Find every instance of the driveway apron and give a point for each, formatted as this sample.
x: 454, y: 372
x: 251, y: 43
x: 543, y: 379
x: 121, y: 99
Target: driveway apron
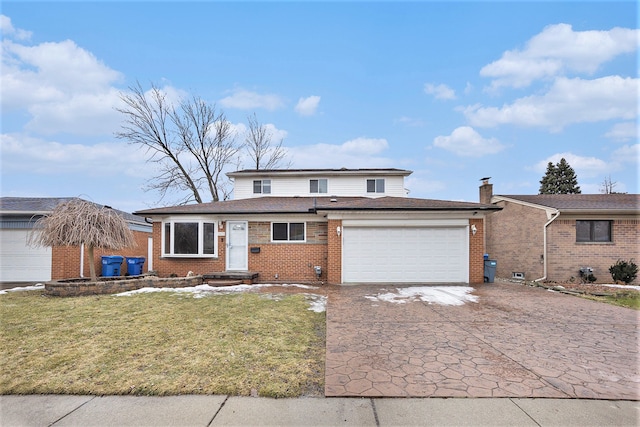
x: 513, y: 341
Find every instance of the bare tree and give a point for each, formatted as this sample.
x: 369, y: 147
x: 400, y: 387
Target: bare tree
x: 191, y: 144
x: 78, y: 222
x: 262, y: 152
x: 608, y: 186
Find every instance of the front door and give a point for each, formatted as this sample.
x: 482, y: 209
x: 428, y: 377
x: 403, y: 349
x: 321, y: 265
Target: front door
x: 237, y: 245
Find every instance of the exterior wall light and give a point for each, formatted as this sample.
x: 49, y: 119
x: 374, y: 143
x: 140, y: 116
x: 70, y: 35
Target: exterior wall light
x: 474, y: 230
x: 338, y: 230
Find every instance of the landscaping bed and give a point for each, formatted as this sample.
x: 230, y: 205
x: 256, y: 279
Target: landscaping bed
x: 626, y: 296
x: 114, y: 285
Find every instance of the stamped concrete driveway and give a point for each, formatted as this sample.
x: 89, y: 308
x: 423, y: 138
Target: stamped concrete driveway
x: 514, y: 341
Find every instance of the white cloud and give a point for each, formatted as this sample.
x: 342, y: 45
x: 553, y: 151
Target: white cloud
x: 465, y: 141
x: 356, y: 153
x: 558, y: 50
x: 623, y: 131
x: 8, y: 30
x: 440, y: 91
x: 627, y: 154
x: 51, y: 158
x: 409, y: 121
x: 307, y: 106
x: 243, y: 99
x: 585, y: 167
x: 567, y: 102
x: 63, y: 87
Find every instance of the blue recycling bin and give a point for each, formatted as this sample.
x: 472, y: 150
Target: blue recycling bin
x: 134, y: 265
x: 111, y: 265
x: 490, y: 270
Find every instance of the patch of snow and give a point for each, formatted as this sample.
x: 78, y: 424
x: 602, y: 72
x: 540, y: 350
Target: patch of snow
x: 441, y: 295
x: 637, y: 288
x: 317, y: 303
x: 36, y: 287
x: 295, y: 285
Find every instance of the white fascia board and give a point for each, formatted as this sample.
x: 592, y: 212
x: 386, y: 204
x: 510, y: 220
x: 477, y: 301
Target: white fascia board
x: 325, y: 173
x: 402, y: 215
x: 405, y: 223
x: 548, y: 210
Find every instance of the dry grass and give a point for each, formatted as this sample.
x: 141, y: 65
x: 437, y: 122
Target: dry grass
x: 160, y: 344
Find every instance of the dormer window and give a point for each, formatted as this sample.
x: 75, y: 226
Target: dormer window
x: 375, y: 185
x: 318, y: 186
x: 262, y: 186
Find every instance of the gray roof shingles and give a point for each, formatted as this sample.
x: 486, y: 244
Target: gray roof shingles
x: 291, y: 205
x: 583, y: 202
x: 44, y: 205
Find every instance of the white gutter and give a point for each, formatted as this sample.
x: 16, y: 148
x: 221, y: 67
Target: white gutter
x: 544, y: 253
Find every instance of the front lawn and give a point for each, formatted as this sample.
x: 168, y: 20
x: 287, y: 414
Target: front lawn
x: 161, y: 344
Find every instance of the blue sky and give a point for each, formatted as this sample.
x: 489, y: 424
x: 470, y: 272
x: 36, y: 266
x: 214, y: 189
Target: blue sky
x: 454, y: 91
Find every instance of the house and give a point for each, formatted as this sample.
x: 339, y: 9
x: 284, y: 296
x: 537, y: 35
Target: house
x: 323, y: 225
x: 20, y: 262
x: 553, y: 236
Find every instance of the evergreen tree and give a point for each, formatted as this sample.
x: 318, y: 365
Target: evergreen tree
x: 549, y: 182
x: 559, y: 179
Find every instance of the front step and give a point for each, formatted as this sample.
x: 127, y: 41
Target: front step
x: 244, y: 277
x: 221, y: 282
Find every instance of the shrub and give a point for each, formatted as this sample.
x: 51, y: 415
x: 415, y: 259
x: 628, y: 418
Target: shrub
x: 624, y: 271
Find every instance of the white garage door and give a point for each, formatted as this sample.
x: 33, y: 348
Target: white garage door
x: 405, y: 255
x: 20, y: 262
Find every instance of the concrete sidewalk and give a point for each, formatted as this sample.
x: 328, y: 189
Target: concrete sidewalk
x: 59, y: 410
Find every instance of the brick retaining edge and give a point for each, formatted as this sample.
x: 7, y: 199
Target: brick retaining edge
x: 82, y: 288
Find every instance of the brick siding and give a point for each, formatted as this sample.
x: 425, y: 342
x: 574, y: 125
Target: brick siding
x: 476, y: 252
x: 295, y: 262
x: 65, y: 260
x: 566, y: 257
x: 515, y: 240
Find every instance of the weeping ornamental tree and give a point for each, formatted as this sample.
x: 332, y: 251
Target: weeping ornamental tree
x: 79, y: 222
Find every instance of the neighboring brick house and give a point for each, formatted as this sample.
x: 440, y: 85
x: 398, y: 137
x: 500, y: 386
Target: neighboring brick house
x: 323, y: 225
x: 552, y: 236
x: 20, y: 262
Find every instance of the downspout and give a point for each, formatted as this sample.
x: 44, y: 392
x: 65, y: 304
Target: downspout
x: 82, y: 260
x: 544, y: 250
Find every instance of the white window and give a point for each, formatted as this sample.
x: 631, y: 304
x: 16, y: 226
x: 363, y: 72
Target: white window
x: 375, y: 185
x: 262, y: 186
x: 189, y: 238
x: 318, y: 186
x: 288, y: 231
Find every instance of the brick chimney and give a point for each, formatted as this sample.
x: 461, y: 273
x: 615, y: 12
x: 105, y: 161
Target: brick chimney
x: 486, y: 191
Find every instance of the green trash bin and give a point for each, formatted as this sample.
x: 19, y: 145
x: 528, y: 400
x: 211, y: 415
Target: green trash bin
x: 490, y: 270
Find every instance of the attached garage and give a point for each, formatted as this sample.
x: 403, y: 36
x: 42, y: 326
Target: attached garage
x: 403, y: 252
x: 20, y: 262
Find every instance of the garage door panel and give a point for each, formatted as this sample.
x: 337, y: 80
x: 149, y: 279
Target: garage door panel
x: 405, y: 255
x: 21, y: 263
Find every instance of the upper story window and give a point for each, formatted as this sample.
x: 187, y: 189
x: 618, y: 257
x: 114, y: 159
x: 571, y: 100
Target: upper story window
x: 262, y: 186
x: 288, y: 231
x: 375, y: 185
x: 189, y: 238
x: 593, y: 231
x: 318, y: 185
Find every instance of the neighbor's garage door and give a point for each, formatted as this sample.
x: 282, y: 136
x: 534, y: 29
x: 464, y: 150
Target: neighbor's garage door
x: 405, y: 255
x: 21, y: 263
